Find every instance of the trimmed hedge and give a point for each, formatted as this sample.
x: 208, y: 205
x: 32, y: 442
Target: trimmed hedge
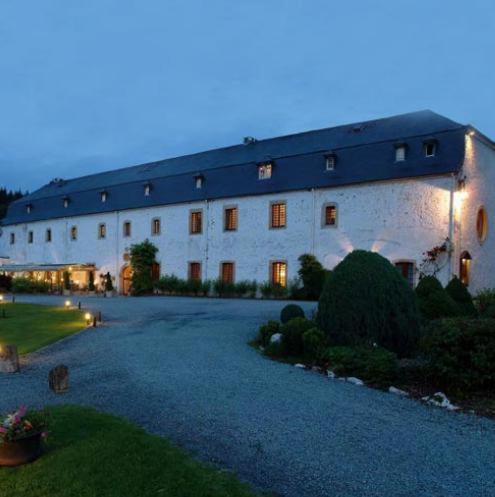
x: 460, y: 295
x: 292, y: 335
x: 366, y: 301
x: 433, y: 300
x: 291, y: 311
x: 461, y: 353
x: 375, y: 365
x: 27, y: 285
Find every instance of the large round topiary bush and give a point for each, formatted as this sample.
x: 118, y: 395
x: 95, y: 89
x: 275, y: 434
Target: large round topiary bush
x: 291, y: 311
x: 365, y: 301
x: 460, y: 295
x: 433, y: 301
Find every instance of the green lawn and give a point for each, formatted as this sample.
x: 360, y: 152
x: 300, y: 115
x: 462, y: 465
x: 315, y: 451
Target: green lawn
x: 90, y: 454
x: 31, y: 326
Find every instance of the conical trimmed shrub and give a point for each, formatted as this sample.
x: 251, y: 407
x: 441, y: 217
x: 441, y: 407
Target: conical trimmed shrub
x: 433, y: 300
x: 365, y: 301
x: 461, y: 296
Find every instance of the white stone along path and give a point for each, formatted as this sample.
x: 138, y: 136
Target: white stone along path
x: 182, y: 368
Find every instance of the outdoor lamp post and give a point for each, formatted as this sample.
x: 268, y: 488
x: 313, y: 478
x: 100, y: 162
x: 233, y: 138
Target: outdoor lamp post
x: 88, y: 317
x: 67, y: 304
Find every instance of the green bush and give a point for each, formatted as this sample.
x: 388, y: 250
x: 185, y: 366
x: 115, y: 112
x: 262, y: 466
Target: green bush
x: 366, y: 301
x: 313, y: 343
x: 91, y: 283
x: 266, y: 290
x: 108, y: 283
x: 313, y: 275
x: 27, y: 285
x: 375, y: 365
x: 142, y: 259
x: 485, y: 303
x: 292, y: 335
x: 242, y: 288
x: 461, y: 296
x: 267, y: 330
x: 168, y: 284
x: 223, y: 288
x: 205, y: 287
x: 433, y: 300
x: 277, y: 291
x: 291, y: 311
x: 275, y: 349
x: 461, y: 353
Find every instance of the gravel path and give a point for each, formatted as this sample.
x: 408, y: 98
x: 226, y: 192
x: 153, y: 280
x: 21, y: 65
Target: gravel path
x: 182, y: 368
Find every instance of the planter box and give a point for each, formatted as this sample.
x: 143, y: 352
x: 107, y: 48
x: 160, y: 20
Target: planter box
x: 20, y: 451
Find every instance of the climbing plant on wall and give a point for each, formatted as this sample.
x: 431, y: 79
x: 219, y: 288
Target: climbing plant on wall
x: 143, y: 256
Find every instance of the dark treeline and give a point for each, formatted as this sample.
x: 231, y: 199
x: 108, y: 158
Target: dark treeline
x: 6, y: 197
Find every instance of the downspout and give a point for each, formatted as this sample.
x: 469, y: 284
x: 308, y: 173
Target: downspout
x: 313, y: 224
x: 452, y: 226
x: 207, y: 237
x: 117, y: 247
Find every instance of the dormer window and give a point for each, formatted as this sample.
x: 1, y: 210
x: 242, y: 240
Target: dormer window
x: 104, y: 196
x: 29, y: 208
x: 66, y: 202
x: 198, y: 181
x: 265, y: 170
x: 330, y: 161
x: 430, y: 148
x: 400, y: 152
x: 147, y: 189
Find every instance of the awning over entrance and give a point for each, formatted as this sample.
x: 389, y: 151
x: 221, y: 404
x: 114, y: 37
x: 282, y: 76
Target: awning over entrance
x: 26, y: 268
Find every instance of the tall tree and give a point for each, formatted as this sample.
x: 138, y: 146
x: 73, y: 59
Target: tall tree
x: 6, y: 198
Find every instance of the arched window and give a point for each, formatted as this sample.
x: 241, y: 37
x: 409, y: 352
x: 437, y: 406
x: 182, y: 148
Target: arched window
x: 482, y: 224
x: 465, y: 267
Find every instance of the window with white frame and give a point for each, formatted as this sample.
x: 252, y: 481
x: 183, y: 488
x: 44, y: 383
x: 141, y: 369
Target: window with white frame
x: 103, y: 196
x: 330, y: 162
x: 400, y: 153
x: 430, y: 148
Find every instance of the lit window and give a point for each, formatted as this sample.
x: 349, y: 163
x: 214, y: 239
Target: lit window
x: 196, y: 222
x: 329, y: 215
x: 73, y: 233
x: 465, y: 267
x: 30, y: 237
x: 227, y: 272
x: 279, y: 273
x: 48, y: 235
x: 155, y: 226
x: 330, y: 162
x: 127, y: 228
x: 482, y: 224
x: 102, y: 231
x: 400, y: 153
x: 104, y: 196
x: 430, y: 149
x: 147, y: 190
x: 265, y: 170
x: 407, y: 270
x: 230, y: 219
x: 195, y: 271
x: 199, y: 181
x: 278, y: 215
x: 12, y: 238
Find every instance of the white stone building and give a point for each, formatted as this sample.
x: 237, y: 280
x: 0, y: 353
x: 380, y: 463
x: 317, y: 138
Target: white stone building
x: 401, y: 186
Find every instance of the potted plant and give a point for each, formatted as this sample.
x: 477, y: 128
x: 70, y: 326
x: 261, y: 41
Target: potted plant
x: 91, y: 283
x: 21, y: 433
x: 108, y: 285
x: 66, y: 277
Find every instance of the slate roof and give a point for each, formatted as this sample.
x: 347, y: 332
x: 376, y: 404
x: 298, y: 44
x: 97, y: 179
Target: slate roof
x: 365, y: 152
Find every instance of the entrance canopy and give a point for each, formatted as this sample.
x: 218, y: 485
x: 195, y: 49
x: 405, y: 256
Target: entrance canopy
x: 29, y: 267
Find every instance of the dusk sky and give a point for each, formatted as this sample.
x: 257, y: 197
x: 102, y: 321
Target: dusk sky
x: 92, y: 85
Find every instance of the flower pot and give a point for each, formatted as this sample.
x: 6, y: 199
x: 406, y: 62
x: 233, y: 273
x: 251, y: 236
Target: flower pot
x: 20, y: 451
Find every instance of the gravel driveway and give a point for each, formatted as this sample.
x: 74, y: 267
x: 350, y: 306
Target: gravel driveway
x: 182, y: 368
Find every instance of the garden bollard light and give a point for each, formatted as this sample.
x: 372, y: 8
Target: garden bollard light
x: 99, y: 316
x: 79, y: 305
x: 94, y: 322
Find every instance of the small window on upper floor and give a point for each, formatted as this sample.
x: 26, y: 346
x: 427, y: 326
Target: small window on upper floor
x: 230, y: 219
x: 103, y: 196
x: 400, y: 153
x: 330, y: 162
x: 73, y: 233
x: 156, y: 226
x: 66, y: 202
x: 102, y: 231
x: 12, y: 238
x: 430, y: 148
x: 127, y: 229
x: 198, y: 181
x: 278, y: 215
x: 29, y: 208
x: 48, y: 235
x: 147, y: 189
x: 265, y: 170
x: 30, y: 237
x: 196, y: 222
x: 329, y: 216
